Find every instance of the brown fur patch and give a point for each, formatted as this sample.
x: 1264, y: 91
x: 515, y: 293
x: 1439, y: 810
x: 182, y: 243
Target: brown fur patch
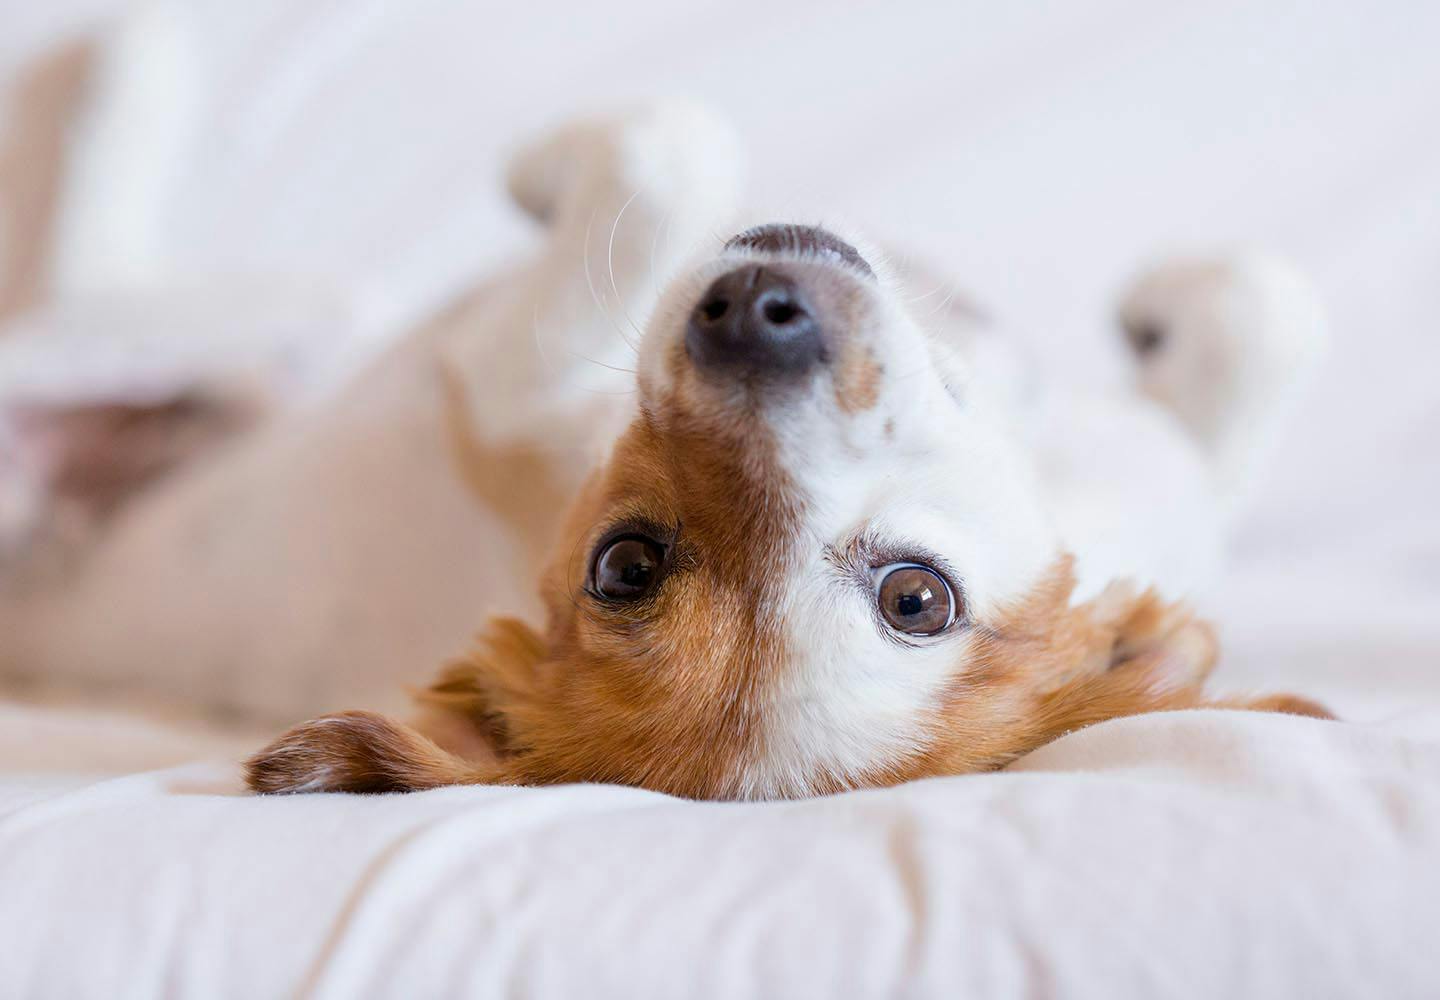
x: 857, y: 382
x: 1285, y: 704
x: 665, y: 693
x: 355, y: 752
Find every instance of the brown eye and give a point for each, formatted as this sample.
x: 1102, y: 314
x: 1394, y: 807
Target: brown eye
x: 914, y: 599
x: 628, y: 567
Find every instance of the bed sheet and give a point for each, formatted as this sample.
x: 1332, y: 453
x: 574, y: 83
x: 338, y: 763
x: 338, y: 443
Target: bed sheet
x: 1262, y: 857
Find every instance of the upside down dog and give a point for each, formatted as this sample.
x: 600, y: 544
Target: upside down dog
x: 830, y: 549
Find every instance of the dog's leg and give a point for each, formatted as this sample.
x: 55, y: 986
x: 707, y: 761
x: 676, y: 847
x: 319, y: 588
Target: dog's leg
x: 1226, y: 343
x: 624, y: 198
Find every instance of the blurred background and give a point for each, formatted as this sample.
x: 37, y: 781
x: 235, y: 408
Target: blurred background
x: 345, y: 159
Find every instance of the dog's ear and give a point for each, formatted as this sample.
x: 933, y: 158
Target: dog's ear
x: 1143, y: 655
x: 355, y: 752
x: 472, y: 720
x: 1124, y: 653
x: 1045, y: 667
x: 1284, y: 704
x: 479, y: 705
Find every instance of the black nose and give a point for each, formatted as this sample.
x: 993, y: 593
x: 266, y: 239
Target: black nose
x: 754, y: 321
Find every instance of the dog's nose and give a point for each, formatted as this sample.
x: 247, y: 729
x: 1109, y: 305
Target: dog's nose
x: 755, y: 321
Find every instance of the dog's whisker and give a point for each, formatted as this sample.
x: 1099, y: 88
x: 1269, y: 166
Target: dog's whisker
x: 899, y: 268
x: 609, y: 392
x: 943, y: 302
x: 610, y: 263
x: 613, y: 368
x: 655, y: 243
x: 539, y: 345
x: 939, y: 285
x: 590, y: 284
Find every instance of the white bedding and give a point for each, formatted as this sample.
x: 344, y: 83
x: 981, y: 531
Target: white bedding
x: 354, y: 150
x: 1194, y: 855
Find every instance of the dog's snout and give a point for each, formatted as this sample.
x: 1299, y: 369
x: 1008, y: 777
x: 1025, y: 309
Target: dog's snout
x: 755, y: 320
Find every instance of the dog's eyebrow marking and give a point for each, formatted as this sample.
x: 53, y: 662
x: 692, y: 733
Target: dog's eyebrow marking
x: 799, y: 241
x: 857, y: 382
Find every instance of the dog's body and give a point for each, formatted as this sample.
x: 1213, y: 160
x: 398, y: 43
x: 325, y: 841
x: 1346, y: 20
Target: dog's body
x: 333, y: 554
x: 340, y: 550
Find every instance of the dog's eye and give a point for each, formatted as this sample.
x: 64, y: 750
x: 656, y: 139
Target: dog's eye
x: 628, y: 567
x: 914, y: 599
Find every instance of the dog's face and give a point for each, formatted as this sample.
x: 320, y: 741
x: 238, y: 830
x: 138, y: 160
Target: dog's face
x: 798, y: 550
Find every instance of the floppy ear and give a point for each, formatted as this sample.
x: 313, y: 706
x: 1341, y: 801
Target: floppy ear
x: 1046, y: 668
x: 1124, y: 653
x: 1283, y: 704
x: 355, y: 752
x: 471, y: 723
x: 1159, y: 657
x: 479, y: 704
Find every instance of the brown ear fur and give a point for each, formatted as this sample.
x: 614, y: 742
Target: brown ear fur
x: 462, y: 736
x: 1047, y: 668
x: 355, y: 752
x: 473, y: 706
x: 1284, y: 704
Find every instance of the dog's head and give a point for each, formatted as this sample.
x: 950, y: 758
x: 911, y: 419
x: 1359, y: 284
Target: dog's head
x: 812, y: 562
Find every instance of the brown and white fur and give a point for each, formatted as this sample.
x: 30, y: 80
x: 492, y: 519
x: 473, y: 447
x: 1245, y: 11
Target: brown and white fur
x: 758, y: 666
x: 328, y: 553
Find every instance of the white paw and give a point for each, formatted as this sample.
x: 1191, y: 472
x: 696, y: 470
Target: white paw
x: 670, y: 155
x: 1225, y: 342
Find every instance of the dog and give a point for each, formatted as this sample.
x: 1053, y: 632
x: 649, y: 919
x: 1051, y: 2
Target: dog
x: 829, y: 547
x: 825, y: 553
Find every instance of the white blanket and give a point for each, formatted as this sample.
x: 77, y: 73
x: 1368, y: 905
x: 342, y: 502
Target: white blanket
x: 1200, y: 854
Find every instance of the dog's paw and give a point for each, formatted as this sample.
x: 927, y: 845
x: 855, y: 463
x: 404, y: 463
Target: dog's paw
x: 1223, y: 341
x: 672, y: 154
x: 351, y: 752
